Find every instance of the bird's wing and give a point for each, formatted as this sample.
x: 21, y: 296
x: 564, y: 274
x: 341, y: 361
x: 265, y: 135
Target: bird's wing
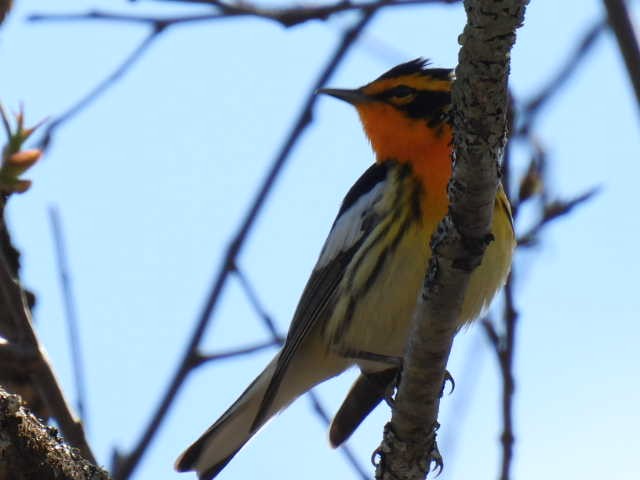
x: 356, y: 218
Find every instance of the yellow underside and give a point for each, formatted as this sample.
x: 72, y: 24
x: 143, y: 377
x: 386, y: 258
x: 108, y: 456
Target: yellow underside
x: 389, y: 306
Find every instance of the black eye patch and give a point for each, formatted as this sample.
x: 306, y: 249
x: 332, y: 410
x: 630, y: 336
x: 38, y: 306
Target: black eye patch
x: 398, y: 92
x: 429, y: 105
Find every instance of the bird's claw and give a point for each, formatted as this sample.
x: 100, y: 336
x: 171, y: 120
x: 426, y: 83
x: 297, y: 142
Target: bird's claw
x: 434, y: 454
x: 447, y: 378
x: 392, y: 389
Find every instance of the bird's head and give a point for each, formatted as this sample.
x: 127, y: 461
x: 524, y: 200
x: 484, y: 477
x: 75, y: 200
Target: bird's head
x: 403, y: 111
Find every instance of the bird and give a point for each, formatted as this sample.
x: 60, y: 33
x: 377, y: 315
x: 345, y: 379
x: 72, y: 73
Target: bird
x: 357, y: 306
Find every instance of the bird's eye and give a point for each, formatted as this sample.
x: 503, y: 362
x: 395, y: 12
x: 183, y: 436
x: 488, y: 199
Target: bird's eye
x: 401, y: 91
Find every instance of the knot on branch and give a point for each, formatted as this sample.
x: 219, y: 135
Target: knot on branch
x: 393, y: 448
x: 464, y: 251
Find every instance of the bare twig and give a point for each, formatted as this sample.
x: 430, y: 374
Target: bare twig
x: 504, y: 347
x: 252, y: 295
x: 346, y: 451
x: 531, y: 185
x: 98, y: 90
x: 554, y: 86
x: 125, y: 465
x: 287, y: 17
x: 553, y: 211
x: 200, y: 359
x: 620, y: 22
x: 71, y: 316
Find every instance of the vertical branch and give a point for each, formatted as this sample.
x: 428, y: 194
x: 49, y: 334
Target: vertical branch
x: 70, y: 310
x: 508, y: 438
x: 479, y: 104
x: 504, y: 347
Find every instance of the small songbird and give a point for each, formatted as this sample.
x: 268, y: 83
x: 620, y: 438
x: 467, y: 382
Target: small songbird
x: 357, y: 306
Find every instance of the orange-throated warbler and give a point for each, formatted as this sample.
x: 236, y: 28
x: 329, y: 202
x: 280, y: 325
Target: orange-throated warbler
x: 357, y: 306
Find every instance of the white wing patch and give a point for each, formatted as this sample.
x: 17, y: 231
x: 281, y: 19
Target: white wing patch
x: 347, y: 229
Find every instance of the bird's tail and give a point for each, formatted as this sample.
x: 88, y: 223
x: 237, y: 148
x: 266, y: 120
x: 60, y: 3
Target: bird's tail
x: 365, y: 395
x: 217, y: 446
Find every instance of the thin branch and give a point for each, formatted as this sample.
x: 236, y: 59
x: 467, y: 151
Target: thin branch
x: 125, y: 465
x: 71, y: 315
x: 551, y: 212
x: 554, y: 86
x: 252, y: 295
x: 98, y: 90
x: 201, y: 359
x: 504, y: 348
x: 287, y: 17
x: 479, y: 100
x: 620, y: 22
x: 344, y: 449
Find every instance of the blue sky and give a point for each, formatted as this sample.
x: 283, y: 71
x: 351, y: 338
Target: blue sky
x: 153, y: 178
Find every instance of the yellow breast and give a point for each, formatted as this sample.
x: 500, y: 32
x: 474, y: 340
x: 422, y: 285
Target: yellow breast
x: 378, y: 321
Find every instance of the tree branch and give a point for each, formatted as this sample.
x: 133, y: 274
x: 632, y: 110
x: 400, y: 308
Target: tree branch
x: 201, y: 359
x: 29, y: 450
x: 98, y: 90
x: 479, y: 104
x: 70, y: 314
x: 285, y: 16
x: 620, y: 22
x: 561, y: 78
x: 504, y: 347
x: 552, y: 211
x: 348, y: 454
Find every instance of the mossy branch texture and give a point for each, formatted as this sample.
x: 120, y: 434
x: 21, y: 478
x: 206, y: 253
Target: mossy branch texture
x: 479, y: 116
x: 30, y: 450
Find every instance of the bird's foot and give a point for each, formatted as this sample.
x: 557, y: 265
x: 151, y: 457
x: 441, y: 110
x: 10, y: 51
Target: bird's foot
x: 434, y: 455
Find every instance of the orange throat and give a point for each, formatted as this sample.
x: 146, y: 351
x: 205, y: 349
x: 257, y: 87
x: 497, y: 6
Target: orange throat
x: 426, y: 149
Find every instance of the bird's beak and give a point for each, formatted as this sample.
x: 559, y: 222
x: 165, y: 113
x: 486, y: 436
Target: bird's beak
x: 354, y: 97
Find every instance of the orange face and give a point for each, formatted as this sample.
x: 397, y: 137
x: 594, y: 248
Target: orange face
x: 403, y: 117
x: 395, y: 136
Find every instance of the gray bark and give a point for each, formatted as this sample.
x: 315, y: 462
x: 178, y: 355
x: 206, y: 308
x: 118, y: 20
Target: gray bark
x: 479, y: 116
